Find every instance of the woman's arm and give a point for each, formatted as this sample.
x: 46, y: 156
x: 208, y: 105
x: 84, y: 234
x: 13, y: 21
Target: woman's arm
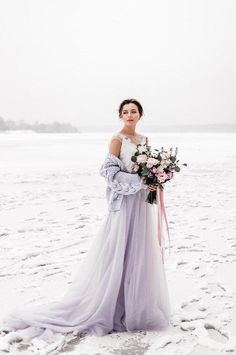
x: 115, y: 147
x: 119, y: 181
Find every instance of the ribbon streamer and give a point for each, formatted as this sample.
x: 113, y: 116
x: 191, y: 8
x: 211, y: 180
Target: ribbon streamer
x: 160, y: 213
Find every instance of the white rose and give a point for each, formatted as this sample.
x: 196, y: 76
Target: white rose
x: 168, y: 161
x: 141, y: 158
x: 152, y: 161
x: 160, y: 169
x: 165, y: 155
x: 164, y: 166
x: 163, y: 163
x: 141, y: 149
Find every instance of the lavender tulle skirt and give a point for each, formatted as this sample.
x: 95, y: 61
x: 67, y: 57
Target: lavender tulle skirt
x: 119, y: 286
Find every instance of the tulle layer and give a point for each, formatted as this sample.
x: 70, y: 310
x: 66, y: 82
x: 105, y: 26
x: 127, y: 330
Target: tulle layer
x: 120, y: 285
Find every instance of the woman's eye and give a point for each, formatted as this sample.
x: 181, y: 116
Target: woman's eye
x: 125, y: 112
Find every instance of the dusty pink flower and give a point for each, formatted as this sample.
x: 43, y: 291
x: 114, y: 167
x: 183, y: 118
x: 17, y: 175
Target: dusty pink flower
x: 162, y: 176
x: 135, y: 167
x: 170, y: 174
x: 149, y: 165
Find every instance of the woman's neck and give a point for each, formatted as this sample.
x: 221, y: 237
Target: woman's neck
x: 128, y: 132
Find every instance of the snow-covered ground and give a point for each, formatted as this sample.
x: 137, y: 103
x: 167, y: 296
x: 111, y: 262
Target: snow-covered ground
x: 52, y: 201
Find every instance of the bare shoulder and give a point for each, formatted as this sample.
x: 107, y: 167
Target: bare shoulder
x: 115, y: 144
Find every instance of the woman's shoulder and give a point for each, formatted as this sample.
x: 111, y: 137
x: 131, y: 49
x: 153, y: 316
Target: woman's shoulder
x: 115, y: 143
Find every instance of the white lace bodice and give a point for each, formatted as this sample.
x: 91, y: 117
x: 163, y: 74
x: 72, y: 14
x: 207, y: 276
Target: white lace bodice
x: 128, y: 148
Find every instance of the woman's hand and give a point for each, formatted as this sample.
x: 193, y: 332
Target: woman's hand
x: 152, y: 187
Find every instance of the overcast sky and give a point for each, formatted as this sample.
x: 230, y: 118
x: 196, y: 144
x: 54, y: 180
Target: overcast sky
x: 75, y: 60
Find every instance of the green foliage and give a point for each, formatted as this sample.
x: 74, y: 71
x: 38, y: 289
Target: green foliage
x: 145, y: 170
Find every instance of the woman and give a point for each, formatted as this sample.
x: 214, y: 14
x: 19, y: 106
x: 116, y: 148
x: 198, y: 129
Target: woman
x: 121, y: 283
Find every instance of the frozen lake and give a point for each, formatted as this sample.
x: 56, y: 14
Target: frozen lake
x: 53, y: 200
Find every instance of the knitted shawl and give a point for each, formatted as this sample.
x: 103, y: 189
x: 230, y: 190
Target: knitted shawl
x: 119, y: 181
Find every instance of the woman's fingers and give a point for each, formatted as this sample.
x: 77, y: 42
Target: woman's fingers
x: 152, y: 187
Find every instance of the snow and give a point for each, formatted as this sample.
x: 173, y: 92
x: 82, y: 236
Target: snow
x: 52, y: 202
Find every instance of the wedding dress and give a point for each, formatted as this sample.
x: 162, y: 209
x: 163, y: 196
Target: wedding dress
x: 121, y: 284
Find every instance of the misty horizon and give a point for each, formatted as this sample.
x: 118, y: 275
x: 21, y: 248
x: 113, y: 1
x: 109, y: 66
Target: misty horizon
x: 62, y: 62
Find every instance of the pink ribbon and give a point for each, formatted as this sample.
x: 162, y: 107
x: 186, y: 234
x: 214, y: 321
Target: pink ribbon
x: 160, y: 213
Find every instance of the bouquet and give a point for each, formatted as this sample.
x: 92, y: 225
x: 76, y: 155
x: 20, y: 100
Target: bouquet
x: 155, y: 167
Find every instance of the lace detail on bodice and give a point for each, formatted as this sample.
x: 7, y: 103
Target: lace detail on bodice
x: 128, y: 148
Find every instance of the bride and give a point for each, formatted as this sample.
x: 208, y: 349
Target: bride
x: 120, y: 285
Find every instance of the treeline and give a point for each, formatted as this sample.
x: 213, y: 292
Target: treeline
x: 55, y: 127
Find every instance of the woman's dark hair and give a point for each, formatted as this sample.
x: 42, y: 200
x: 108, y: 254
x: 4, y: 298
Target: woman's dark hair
x: 131, y: 101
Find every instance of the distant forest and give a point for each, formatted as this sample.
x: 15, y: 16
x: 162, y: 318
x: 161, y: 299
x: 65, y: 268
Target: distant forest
x: 21, y: 125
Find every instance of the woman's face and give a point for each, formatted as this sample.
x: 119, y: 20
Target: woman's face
x: 130, y: 114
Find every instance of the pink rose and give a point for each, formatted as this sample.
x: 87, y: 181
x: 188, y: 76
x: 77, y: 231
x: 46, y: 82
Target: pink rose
x: 135, y: 167
x: 170, y: 174
x: 162, y: 177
